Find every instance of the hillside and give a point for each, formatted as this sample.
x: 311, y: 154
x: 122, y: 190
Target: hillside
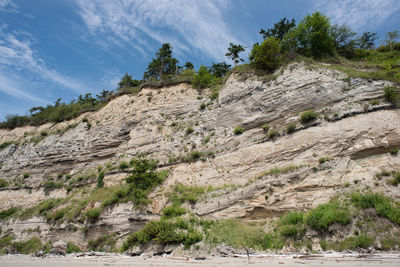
x: 268, y: 145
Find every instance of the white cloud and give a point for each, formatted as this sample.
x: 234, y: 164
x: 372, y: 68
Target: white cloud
x: 17, y: 55
x: 186, y: 24
x: 11, y: 87
x: 359, y: 14
x: 8, y: 6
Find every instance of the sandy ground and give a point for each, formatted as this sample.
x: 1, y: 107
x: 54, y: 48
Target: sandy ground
x: 267, y: 260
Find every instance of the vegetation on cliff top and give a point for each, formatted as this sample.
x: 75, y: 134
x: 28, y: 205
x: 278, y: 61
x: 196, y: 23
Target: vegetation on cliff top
x: 313, y: 37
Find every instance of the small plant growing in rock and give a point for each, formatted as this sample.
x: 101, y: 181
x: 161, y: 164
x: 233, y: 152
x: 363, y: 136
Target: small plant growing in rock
x: 322, y: 160
x: 202, y: 106
x: 25, y: 175
x: 391, y: 94
x: 272, y: 134
x: 100, y: 180
x: 394, y: 151
x: 265, y: 127
x: 291, y: 128
x: 308, y: 116
x: 238, y: 130
x: 336, y: 115
x: 123, y: 165
x: 93, y: 214
x: 189, y: 130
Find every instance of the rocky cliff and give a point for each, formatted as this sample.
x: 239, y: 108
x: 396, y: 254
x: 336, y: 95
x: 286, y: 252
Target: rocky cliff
x: 252, y: 175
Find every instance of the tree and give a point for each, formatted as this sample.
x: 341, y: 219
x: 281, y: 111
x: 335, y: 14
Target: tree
x: 103, y: 95
x: 267, y: 55
x: 163, y: 64
x: 391, y: 39
x: 343, y: 36
x: 219, y: 69
x: 127, y: 81
x: 279, y: 30
x: 233, y: 53
x: 189, y: 65
x: 203, y: 78
x: 344, y: 40
x: 367, y: 40
x: 313, y: 36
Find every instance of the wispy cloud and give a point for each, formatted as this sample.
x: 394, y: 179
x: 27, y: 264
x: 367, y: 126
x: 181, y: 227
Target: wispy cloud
x: 17, y: 54
x: 11, y: 87
x: 187, y: 24
x: 359, y: 14
x: 8, y: 6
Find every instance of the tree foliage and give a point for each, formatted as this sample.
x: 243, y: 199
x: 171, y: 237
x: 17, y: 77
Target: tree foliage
x: 367, y: 40
x: 344, y: 39
x: 189, y: 65
x: 163, y: 64
x: 267, y: 55
x: 219, y: 69
x: 279, y: 30
x: 127, y: 81
x: 313, y: 36
x: 233, y: 52
x: 203, y: 78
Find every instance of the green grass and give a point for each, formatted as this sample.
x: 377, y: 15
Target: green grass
x: 272, y: 134
x: 6, y: 144
x: 238, y: 130
x: 173, y: 211
x: 308, y: 116
x: 183, y: 193
x: 6, y: 214
x: 238, y: 233
x: 93, y: 213
x: 291, y: 128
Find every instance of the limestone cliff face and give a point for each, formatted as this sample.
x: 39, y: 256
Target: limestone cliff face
x: 355, y: 137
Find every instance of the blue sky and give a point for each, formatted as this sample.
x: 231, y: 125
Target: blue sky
x: 64, y: 48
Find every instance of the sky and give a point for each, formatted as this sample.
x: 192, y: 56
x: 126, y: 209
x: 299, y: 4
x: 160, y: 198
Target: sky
x: 52, y: 49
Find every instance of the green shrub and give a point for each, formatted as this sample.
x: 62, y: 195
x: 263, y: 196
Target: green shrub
x: 25, y: 175
x: 289, y: 231
x: 267, y: 55
x: 100, y: 180
x: 394, y: 151
x: 202, y: 79
x: 3, y: 183
x: 202, y: 106
x: 291, y: 218
x: 123, y: 165
x: 391, y: 94
x: 30, y: 246
x: 381, y: 204
x: 238, y: 130
x: 322, y: 160
x: 272, y: 134
x: 291, y: 128
x: 308, y: 116
x: 72, y: 248
x: 103, y: 243
x: 189, y: 130
x: 93, y: 213
x: 173, y: 211
x: 265, y: 127
x: 325, y: 215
